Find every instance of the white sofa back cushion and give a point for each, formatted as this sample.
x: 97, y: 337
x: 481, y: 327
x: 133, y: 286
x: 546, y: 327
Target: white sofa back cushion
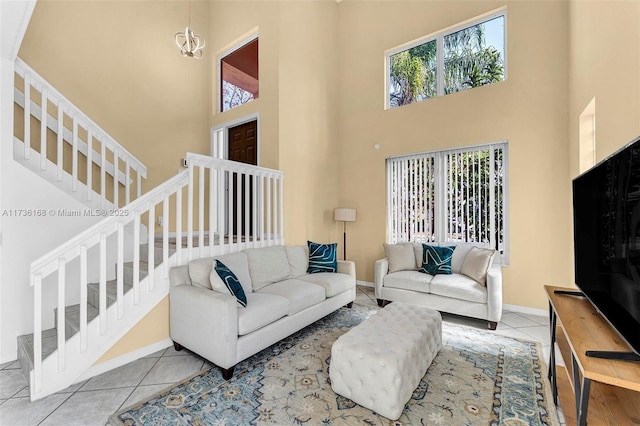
x: 267, y: 265
x: 298, y: 257
x: 400, y: 256
x: 200, y: 270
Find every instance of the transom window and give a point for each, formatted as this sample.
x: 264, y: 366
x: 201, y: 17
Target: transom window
x: 452, y: 195
x: 238, y: 71
x: 450, y: 61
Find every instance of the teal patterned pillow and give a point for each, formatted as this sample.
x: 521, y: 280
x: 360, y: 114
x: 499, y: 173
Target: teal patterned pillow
x: 231, y: 282
x: 436, y: 260
x: 322, y: 257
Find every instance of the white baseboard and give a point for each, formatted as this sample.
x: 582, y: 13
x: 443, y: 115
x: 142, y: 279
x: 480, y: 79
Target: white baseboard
x: 365, y: 283
x: 525, y: 310
x: 121, y: 360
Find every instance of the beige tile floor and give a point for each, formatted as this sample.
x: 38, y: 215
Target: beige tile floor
x: 92, y: 401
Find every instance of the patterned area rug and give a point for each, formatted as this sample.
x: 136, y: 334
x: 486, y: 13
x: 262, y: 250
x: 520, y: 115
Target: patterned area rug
x: 478, y: 378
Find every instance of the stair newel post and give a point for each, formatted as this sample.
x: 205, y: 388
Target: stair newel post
x: 36, y: 282
x: 127, y: 186
x: 89, y: 164
x: 179, y: 225
x: 27, y: 116
x: 150, y: 245
x: 254, y: 209
x: 238, y: 207
x: 74, y: 155
x: 230, y: 206
x: 59, y: 140
x: 281, y: 210
x: 120, y: 271
x: 261, y: 223
x: 136, y: 257
x: 200, y: 210
x: 83, y: 298
x: 246, y: 207
x: 103, y: 170
x: 165, y: 235
x: 269, y: 184
x: 138, y: 182
x: 102, y: 290
x: 43, y: 129
x: 116, y: 177
x: 60, y: 327
x: 190, y: 213
x: 220, y: 200
x: 212, y: 210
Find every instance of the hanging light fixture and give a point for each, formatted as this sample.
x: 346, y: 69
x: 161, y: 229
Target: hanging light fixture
x: 190, y: 44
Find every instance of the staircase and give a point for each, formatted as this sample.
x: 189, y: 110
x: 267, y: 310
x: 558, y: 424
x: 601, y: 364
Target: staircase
x: 74, y: 316
x: 99, y: 284
x: 59, y: 142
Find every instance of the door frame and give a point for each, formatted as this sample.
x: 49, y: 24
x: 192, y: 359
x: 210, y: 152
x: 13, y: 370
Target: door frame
x: 220, y: 134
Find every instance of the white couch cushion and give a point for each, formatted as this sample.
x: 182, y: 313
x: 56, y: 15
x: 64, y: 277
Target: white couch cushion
x: 477, y: 263
x: 261, y: 310
x: 267, y: 265
x: 333, y: 283
x: 409, y: 280
x: 200, y: 270
x: 298, y: 257
x: 459, y: 286
x: 400, y: 256
x: 301, y: 294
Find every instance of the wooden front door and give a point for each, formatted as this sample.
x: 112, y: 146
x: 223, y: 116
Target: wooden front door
x: 243, y: 147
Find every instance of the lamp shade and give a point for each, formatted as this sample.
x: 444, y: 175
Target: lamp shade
x: 344, y: 215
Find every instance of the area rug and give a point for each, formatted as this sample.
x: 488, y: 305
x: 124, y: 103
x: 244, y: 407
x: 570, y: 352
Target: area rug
x: 478, y: 378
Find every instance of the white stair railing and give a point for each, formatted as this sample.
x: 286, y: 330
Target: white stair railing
x: 88, y: 142
x: 255, y: 221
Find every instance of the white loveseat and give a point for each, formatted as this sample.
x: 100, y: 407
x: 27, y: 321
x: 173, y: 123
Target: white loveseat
x: 281, y: 299
x: 397, y: 279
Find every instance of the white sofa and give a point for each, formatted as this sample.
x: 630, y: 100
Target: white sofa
x: 398, y: 280
x: 281, y: 299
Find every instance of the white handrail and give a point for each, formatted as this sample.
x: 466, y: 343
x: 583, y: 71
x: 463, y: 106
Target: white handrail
x: 259, y: 201
x: 32, y: 80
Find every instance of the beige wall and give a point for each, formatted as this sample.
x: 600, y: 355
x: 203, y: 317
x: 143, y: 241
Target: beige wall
x: 605, y: 65
x: 297, y: 103
x: 117, y: 62
x: 529, y: 110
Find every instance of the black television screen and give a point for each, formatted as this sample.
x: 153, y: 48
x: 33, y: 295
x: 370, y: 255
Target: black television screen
x: 606, y: 221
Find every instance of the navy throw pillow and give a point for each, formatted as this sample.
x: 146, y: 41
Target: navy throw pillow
x: 322, y: 257
x: 436, y: 260
x: 231, y: 282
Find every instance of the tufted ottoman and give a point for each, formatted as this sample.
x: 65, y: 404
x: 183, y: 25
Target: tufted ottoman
x: 379, y: 363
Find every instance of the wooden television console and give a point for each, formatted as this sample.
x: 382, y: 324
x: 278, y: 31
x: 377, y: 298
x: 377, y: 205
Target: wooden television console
x: 602, y: 391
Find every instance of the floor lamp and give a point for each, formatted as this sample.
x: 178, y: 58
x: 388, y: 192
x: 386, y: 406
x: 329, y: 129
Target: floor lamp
x: 344, y: 215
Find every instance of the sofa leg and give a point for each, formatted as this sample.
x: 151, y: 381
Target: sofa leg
x: 381, y: 302
x: 227, y: 373
x: 349, y: 305
x: 492, y: 325
x: 177, y: 346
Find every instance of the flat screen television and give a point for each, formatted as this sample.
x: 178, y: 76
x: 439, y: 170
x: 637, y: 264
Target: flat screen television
x: 606, y: 218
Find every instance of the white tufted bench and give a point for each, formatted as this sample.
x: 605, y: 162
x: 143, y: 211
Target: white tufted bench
x: 379, y: 363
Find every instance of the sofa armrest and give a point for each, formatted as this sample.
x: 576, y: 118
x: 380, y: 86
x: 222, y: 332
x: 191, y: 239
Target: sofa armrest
x: 494, y: 293
x: 205, y: 322
x: 380, y: 270
x: 347, y: 267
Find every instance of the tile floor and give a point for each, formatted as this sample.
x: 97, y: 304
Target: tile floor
x: 92, y: 401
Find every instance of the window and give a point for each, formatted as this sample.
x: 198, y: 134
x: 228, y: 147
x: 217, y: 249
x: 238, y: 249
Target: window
x: 450, y: 61
x: 239, y: 82
x: 453, y: 195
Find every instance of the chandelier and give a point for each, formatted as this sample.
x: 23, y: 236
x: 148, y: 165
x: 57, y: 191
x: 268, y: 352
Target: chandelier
x: 189, y: 43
